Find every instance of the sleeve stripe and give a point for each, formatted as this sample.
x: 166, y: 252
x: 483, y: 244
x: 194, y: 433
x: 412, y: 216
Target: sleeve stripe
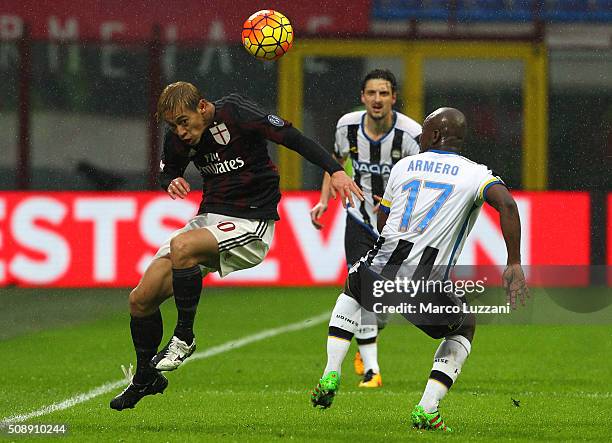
x: 483, y: 189
x: 385, y: 206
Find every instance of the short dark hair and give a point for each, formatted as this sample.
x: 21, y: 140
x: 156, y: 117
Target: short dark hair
x: 383, y: 74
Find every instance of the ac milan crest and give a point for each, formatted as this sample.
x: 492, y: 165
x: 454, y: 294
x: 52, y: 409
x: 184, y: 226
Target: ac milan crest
x: 220, y: 133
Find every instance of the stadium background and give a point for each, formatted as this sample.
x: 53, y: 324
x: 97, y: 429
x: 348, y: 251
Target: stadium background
x: 79, y: 207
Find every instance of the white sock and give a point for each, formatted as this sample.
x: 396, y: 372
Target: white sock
x: 336, y: 351
x: 368, y: 331
x: 369, y: 355
x: 345, y: 318
x: 434, y: 392
x: 448, y: 360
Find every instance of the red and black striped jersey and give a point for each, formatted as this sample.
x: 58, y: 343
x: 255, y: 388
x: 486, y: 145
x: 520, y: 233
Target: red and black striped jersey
x: 238, y: 176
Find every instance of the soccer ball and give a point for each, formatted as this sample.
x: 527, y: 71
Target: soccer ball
x: 267, y: 34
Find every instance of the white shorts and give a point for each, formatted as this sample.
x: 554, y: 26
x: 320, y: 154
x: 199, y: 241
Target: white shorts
x: 243, y: 243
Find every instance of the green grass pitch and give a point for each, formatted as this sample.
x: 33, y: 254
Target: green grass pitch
x: 56, y: 345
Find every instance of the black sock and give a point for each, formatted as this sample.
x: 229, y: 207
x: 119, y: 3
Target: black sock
x: 187, y: 286
x: 147, y: 334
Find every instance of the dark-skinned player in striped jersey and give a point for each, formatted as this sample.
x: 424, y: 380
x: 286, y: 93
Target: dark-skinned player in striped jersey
x: 227, y: 142
x: 431, y: 203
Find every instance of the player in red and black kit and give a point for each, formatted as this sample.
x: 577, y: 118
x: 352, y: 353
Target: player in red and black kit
x: 227, y: 141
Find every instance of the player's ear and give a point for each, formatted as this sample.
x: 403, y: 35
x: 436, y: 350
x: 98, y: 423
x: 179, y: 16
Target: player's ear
x: 435, y: 137
x: 202, y: 105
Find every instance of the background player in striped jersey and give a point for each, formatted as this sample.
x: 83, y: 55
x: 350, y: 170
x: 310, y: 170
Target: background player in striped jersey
x: 227, y: 141
x: 375, y: 139
x: 430, y: 204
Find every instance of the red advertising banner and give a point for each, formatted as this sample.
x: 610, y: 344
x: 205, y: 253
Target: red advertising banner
x: 216, y: 20
x: 80, y: 239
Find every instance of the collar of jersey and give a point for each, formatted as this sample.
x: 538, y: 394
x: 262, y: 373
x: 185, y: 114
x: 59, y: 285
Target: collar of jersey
x: 438, y: 151
x: 362, y: 126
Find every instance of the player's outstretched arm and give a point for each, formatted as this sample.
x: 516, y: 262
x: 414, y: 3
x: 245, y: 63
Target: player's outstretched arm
x: 514, y: 281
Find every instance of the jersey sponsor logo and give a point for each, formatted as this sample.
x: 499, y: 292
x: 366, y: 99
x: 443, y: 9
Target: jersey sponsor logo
x: 221, y: 134
x: 373, y: 168
x: 221, y: 167
x: 275, y: 120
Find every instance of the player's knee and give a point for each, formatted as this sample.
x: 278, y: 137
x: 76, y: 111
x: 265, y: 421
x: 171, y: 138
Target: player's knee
x: 468, y: 327
x: 180, y: 248
x: 141, y: 302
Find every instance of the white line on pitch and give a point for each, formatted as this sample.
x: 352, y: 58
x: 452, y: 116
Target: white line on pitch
x: 215, y: 350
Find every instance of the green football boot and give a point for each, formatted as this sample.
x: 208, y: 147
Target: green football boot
x: 326, y: 389
x: 430, y: 422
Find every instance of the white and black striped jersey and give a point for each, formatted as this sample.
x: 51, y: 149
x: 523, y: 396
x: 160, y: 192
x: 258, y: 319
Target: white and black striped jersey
x: 433, y: 200
x: 372, y: 160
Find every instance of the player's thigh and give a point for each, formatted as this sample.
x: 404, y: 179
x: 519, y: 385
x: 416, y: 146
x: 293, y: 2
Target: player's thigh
x: 358, y: 240
x: 154, y: 287
x: 199, y: 245
x: 243, y: 243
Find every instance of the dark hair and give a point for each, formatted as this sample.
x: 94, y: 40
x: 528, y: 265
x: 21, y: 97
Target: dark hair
x: 383, y: 74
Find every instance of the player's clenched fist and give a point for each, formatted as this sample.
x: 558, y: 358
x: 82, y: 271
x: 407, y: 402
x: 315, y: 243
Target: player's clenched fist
x: 178, y: 188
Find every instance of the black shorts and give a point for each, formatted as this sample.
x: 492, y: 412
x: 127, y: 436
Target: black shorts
x: 358, y: 240
x: 360, y: 285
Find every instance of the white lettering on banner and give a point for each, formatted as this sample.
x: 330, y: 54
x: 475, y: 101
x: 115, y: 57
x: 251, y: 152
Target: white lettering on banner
x: 2, y: 215
x: 107, y: 30
x: 105, y: 213
x: 36, y: 238
x: 11, y: 26
x: 216, y: 35
x: 324, y: 260
x: 488, y: 236
x: 151, y: 223
x: 168, y: 58
x: 70, y: 31
x: 319, y: 22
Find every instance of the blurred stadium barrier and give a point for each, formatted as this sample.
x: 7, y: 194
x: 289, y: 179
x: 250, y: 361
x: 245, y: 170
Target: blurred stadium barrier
x: 84, y: 87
